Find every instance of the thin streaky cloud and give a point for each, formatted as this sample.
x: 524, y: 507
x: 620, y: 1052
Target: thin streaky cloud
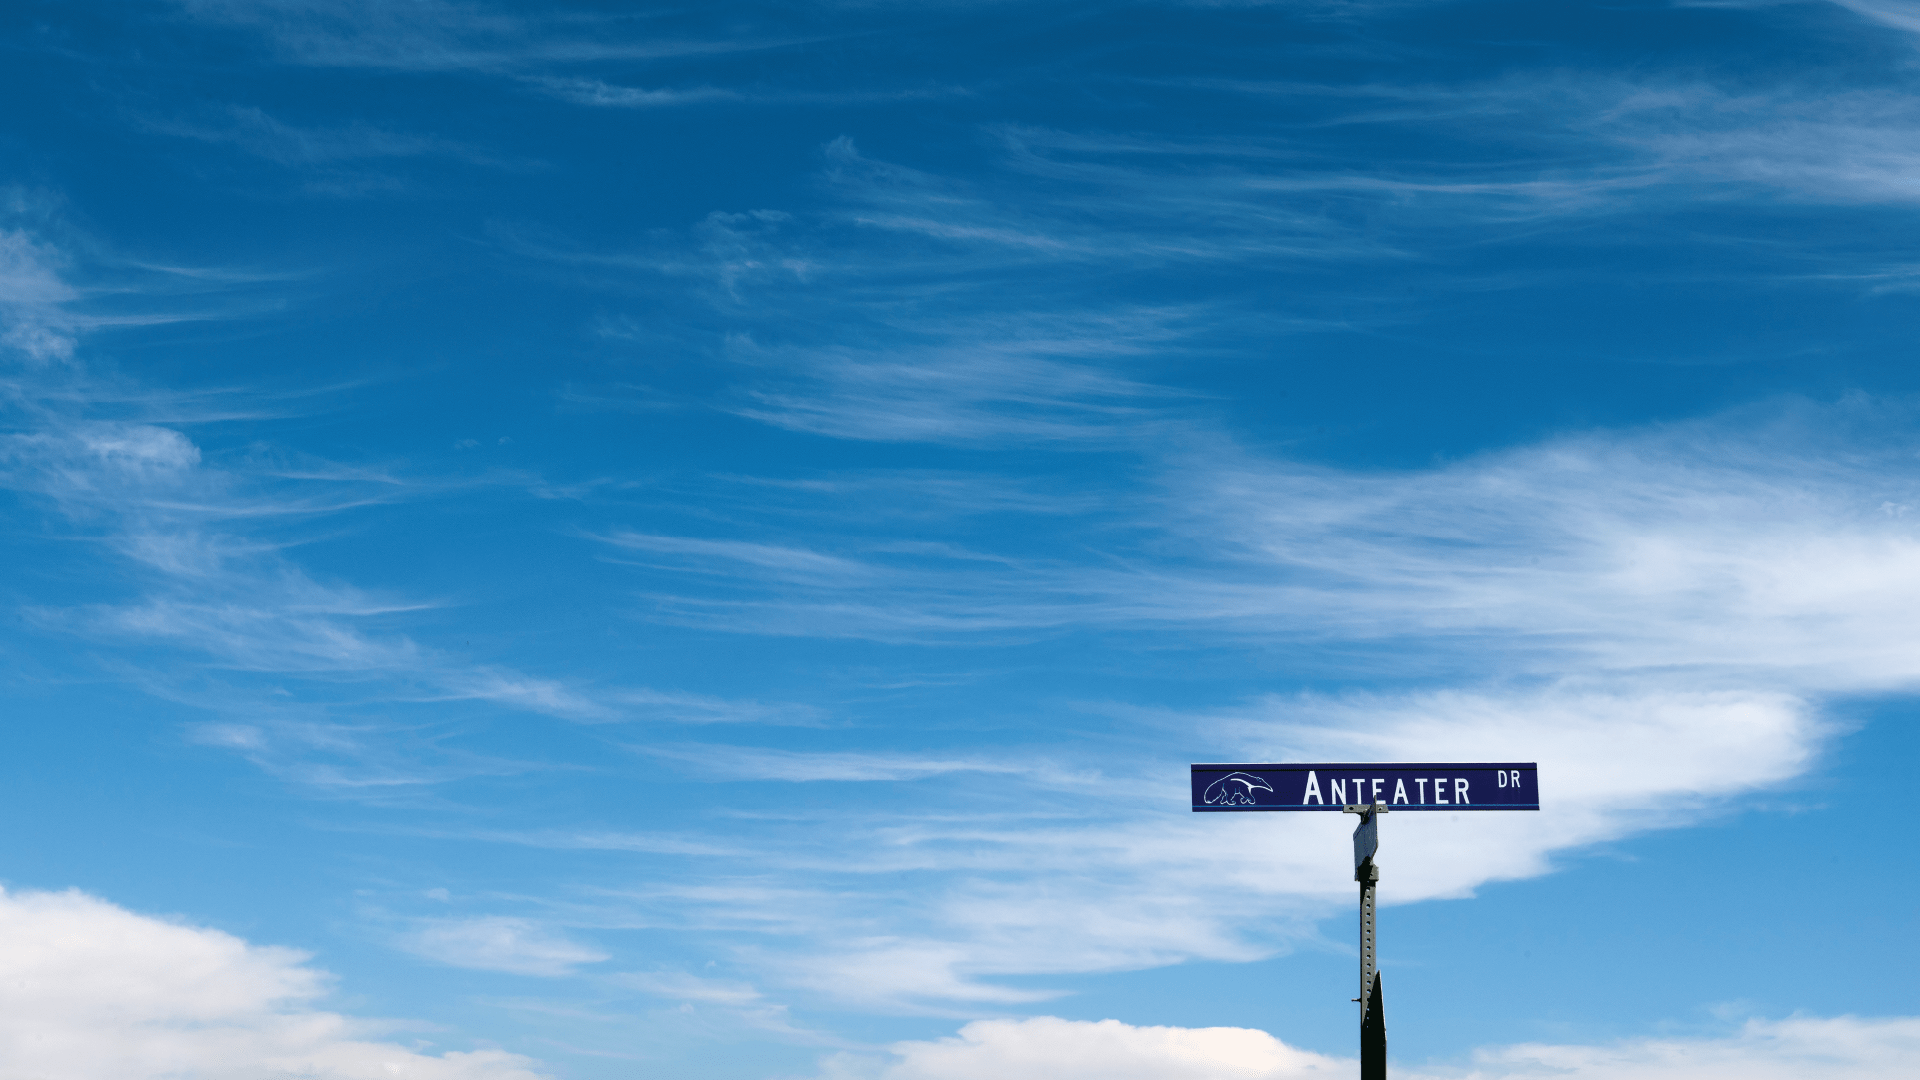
x: 607, y: 95
x: 441, y: 36
x: 747, y: 763
x: 1894, y: 13
x: 499, y: 943
x: 200, y: 552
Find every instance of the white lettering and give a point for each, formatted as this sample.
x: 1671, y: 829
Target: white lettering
x: 1337, y: 789
x: 1313, y: 791
x: 1399, y: 791
x: 1460, y: 790
x: 1516, y: 778
x: 1376, y: 790
x: 1502, y: 774
x: 1438, y: 784
x: 1422, y: 781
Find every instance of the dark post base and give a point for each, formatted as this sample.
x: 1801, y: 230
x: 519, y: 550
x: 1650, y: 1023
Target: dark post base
x: 1373, y: 1037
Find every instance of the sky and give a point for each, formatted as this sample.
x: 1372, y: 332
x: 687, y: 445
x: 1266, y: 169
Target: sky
x: 588, y: 541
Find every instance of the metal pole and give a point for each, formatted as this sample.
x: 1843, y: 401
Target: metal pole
x: 1373, y: 1035
x: 1373, y: 1025
x: 1368, y: 875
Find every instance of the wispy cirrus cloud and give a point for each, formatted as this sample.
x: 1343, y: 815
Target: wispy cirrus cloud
x: 499, y: 943
x: 737, y: 763
x: 197, y: 545
x: 1776, y: 545
x: 609, y: 95
x: 1898, y: 14
x: 737, y: 1000
x: 440, y: 35
x: 1715, y: 584
x: 1625, y: 550
x: 1038, y: 382
x: 1054, y: 859
x: 335, y: 158
x: 34, y: 299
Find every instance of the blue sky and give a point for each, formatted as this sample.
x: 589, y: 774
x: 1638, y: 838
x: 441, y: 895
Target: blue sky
x: 607, y: 540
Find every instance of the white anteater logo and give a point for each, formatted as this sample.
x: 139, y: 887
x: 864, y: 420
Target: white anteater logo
x: 1235, y: 789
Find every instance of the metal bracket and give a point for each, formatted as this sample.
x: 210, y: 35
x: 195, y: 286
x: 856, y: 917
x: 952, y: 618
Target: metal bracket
x: 1364, y: 808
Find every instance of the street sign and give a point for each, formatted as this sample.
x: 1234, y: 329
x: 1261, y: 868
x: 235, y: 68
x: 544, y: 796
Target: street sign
x: 1512, y: 785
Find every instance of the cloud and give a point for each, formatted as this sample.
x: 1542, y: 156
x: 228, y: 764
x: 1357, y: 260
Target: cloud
x: 33, y: 299
x: 803, y: 767
x: 684, y: 987
x: 437, y: 35
x: 1803, y: 143
x: 729, y: 999
x: 331, y: 156
x: 1777, y: 544
x: 1042, y: 871
x: 1899, y: 14
x: 1049, y: 1048
x: 96, y: 992
x: 707, y: 709
x: 264, y: 135
x: 190, y: 548
x: 1775, y: 547
x: 1797, y: 1048
x: 1126, y: 201
x: 608, y: 95
x: 499, y: 943
x: 1038, y: 382
x: 1659, y: 616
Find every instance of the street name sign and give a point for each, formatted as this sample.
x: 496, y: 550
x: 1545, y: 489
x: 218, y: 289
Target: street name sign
x: 1451, y: 786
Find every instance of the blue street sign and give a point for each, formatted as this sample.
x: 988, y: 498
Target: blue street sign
x: 1401, y: 786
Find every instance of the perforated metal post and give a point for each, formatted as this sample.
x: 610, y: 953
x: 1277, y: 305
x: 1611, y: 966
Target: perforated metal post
x: 1369, y: 877
x: 1373, y: 1026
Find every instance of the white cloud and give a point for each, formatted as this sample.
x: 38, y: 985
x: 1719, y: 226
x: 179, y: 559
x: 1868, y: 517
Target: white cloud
x: 260, y: 133
x: 684, y: 987
x: 1104, y: 873
x: 979, y: 391
x: 1797, y: 1048
x: 436, y: 35
x: 1049, y: 1048
x: 741, y: 1002
x: 202, y: 538
x: 804, y: 766
x: 33, y: 318
x: 1767, y: 548
x: 603, y: 94
x: 499, y: 943
x: 92, y: 991
x: 1655, y: 616
x: 1806, y: 143
x: 1899, y: 14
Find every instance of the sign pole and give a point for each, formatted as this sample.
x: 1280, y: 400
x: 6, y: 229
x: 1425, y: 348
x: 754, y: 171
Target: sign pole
x: 1373, y: 1027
